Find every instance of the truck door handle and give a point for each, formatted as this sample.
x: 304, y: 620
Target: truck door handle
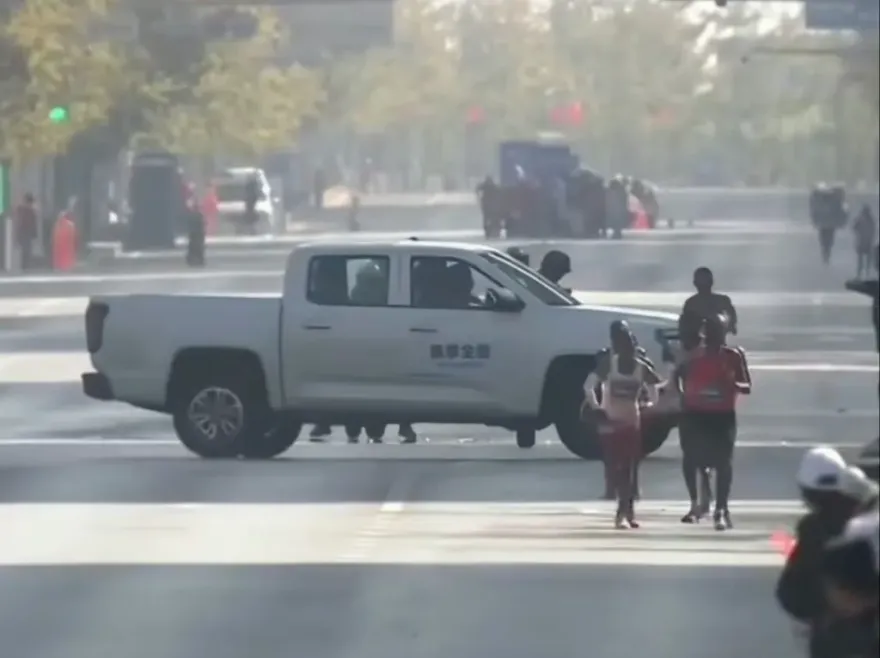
x: 422, y: 330
x: 317, y: 327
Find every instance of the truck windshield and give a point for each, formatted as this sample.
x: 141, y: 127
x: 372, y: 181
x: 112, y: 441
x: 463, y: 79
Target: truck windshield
x: 546, y: 291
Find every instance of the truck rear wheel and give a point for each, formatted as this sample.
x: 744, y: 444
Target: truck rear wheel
x: 277, y: 440
x: 216, y: 417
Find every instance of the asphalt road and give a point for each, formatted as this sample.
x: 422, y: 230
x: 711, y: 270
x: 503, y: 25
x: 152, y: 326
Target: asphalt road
x: 117, y: 543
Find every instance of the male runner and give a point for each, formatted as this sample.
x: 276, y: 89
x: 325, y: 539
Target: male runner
x: 710, y: 379
x: 623, y: 376
x: 701, y: 306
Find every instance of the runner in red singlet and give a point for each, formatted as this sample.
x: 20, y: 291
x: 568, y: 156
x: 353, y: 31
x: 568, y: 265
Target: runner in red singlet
x: 711, y: 379
x: 623, y: 376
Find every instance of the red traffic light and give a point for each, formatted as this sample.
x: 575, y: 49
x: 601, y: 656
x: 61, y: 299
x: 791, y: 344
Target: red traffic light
x: 475, y: 115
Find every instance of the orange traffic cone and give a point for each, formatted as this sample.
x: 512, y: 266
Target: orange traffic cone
x: 64, y: 243
x: 784, y: 543
x: 210, y: 211
x: 640, y: 222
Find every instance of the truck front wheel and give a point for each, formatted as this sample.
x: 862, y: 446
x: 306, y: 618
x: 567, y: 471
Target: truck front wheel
x: 580, y: 437
x: 655, y: 431
x: 217, y: 418
x: 525, y: 438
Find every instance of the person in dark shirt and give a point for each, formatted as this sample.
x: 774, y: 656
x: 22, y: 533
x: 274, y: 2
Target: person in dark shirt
x: 555, y: 265
x: 702, y: 306
x: 864, y: 231
x: 871, y: 288
x: 26, y: 230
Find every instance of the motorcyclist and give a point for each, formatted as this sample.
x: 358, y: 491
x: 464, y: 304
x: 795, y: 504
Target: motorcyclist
x: 833, y: 493
x: 850, y: 575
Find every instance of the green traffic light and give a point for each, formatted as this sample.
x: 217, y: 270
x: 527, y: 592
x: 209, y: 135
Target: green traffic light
x: 58, y: 114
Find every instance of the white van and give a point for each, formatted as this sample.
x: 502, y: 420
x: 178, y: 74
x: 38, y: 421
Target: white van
x: 230, y: 189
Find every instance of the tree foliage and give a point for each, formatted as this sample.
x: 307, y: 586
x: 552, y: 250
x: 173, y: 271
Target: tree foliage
x: 63, y: 64
x: 669, y: 90
x: 241, y: 101
x: 189, y: 93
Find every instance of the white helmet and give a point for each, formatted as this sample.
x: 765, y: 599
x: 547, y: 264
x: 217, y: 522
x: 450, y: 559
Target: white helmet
x: 821, y: 469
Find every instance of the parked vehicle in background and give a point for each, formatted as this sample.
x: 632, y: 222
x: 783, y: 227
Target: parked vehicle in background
x: 232, y: 216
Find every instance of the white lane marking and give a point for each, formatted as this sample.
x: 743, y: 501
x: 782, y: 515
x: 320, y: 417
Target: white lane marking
x: 635, y: 303
x: 813, y: 367
x: 69, y: 307
x: 742, y: 299
x: 475, y: 448
x: 43, y: 367
x: 427, y: 533
x: 143, y: 276
x: 367, y: 540
x: 67, y: 367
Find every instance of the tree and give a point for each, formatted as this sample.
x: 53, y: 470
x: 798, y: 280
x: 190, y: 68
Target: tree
x: 62, y: 63
x: 242, y: 100
x: 509, y: 65
x: 636, y: 68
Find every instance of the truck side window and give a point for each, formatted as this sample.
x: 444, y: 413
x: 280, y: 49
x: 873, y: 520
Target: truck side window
x: 349, y: 280
x: 447, y: 283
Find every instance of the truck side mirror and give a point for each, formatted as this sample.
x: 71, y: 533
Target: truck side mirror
x: 503, y: 301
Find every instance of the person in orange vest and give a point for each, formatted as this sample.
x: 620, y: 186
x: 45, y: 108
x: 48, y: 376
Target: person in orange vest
x: 64, y: 239
x: 211, y: 210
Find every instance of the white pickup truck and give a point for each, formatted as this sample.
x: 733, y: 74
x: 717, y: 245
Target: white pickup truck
x: 363, y: 333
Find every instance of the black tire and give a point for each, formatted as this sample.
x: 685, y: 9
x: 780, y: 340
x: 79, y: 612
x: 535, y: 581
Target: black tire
x: 255, y: 419
x: 655, y: 432
x: 276, y: 441
x: 580, y: 437
x: 525, y: 438
x: 375, y: 432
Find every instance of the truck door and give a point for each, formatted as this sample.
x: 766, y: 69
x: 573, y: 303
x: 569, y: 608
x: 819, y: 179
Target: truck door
x: 461, y: 357
x: 337, y: 346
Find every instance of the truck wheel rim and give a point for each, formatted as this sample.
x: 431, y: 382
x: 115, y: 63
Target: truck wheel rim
x: 216, y: 413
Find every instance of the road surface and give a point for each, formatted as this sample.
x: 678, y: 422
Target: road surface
x: 117, y: 543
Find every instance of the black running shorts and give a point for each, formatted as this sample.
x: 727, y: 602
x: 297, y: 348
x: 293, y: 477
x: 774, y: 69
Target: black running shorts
x: 707, y: 437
